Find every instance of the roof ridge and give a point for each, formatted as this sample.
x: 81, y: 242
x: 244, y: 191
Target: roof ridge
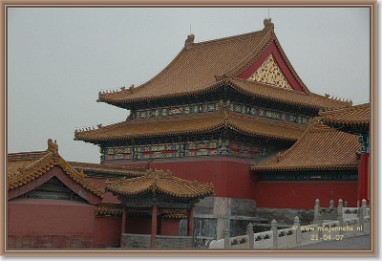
x: 345, y: 109
x: 265, y: 41
x: 289, y: 64
x: 121, y: 167
x: 314, y: 125
x: 279, y: 156
x: 227, y: 39
x: 24, y: 154
x: 133, y: 89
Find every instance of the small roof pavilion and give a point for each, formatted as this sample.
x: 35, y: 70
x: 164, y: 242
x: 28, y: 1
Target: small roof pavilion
x: 157, y: 193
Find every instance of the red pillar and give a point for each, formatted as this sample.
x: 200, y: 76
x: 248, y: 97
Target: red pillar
x: 154, y: 225
x: 363, y: 177
x: 123, y: 222
x: 190, y: 222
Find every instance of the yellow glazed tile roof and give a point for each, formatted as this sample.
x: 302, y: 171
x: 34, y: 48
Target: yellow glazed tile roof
x: 24, y: 167
x: 159, y: 182
x: 108, y: 169
x: 193, y: 124
x: 201, y: 67
x: 356, y: 116
x: 194, y: 68
x: 271, y: 93
x: 319, y: 148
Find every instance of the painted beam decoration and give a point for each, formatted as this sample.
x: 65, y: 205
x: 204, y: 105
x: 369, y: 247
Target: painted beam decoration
x: 200, y: 148
x: 215, y: 106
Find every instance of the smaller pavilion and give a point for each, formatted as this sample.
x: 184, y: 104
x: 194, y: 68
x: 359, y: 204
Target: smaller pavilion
x: 151, y: 200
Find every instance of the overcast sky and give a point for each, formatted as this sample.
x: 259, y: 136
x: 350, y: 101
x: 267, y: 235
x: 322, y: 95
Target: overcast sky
x: 60, y: 58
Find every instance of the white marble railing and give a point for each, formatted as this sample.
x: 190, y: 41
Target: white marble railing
x: 297, y: 235
x: 263, y: 240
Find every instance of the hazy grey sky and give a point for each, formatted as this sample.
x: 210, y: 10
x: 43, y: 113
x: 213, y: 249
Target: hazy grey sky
x: 60, y: 58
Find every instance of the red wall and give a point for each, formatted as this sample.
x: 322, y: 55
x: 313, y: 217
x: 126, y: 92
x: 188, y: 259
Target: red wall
x: 231, y: 177
x: 32, y: 221
x: 107, y: 232
x: 169, y: 227
x: 289, y: 194
x: 138, y: 225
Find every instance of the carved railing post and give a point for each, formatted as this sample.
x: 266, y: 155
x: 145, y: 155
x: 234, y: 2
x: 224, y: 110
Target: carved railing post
x: 331, y: 204
x: 316, y: 210
x: 275, y: 232
x: 362, y: 214
x: 297, y: 228
x: 251, y: 236
x: 319, y: 223
x: 340, y: 217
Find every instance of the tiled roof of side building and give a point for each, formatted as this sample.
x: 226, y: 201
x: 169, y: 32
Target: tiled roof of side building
x: 25, y: 167
x: 319, y: 148
x: 107, y: 169
x: 357, y: 116
x: 160, y: 182
x: 194, y: 124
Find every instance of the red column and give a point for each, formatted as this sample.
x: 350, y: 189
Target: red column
x: 190, y: 222
x: 363, y: 177
x: 123, y: 222
x: 154, y: 225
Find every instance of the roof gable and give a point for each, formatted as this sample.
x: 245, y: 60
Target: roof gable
x: 269, y: 72
x: 271, y: 67
x: 27, y: 171
x: 53, y: 188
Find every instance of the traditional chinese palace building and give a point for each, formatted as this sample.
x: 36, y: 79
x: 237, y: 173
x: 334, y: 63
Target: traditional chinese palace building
x: 239, y: 135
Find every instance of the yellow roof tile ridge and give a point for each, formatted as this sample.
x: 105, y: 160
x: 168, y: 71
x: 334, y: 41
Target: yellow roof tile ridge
x: 231, y: 38
x: 344, y: 109
x: 268, y: 25
x: 266, y: 40
x: 32, y: 155
x: 291, y: 68
x: 141, y: 86
x: 279, y: 156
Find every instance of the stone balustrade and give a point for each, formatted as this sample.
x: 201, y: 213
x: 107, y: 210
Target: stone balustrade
x: 344, y: 225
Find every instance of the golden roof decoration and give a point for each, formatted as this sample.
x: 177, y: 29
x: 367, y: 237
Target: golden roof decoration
x: 25, y: 167
x: 159, y: 182
x: 194, y: 124
x: 269, y: 72
x: 319, y: 148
